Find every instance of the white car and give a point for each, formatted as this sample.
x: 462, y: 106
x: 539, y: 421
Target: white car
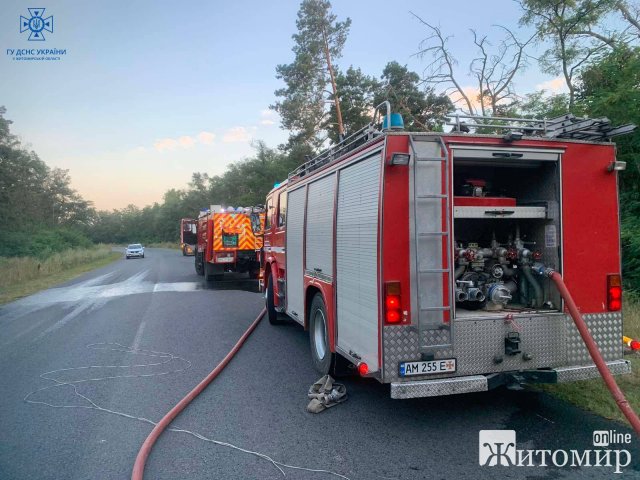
x: 134, y: 250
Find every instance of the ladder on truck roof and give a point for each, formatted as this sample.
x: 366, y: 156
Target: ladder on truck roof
x: 566, y: 126
x: 432, y: 252
x: 374, y: 129
x: 330, y: 155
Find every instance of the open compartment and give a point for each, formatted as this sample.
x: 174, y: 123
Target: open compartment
x: 506, y: 223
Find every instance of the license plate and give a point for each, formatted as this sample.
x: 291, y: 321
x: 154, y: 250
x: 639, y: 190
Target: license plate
x: 224, y: 260
x: 429, y: 367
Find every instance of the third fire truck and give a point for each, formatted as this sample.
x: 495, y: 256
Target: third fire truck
x: 188, y: 236
x: 418, y: 256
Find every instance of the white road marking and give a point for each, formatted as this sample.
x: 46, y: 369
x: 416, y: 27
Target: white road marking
x: 88, y: 295
x: 64, y: 320
x: 138, y: 337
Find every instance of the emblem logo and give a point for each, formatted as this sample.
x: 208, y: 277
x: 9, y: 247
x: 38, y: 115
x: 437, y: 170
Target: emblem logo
x: 37, y: 24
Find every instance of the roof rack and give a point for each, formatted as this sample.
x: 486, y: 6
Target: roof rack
x: 565, y: 126
x: 374, y: 129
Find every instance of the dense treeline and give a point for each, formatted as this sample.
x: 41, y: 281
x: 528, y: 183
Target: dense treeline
x: 39, y: 211
x: 591, y: 46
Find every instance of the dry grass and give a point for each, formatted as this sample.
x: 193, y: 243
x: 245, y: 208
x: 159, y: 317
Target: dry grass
x: 25, y: 275
x: 172, y: 245
x: 593, y: 395
x: 631, y: 312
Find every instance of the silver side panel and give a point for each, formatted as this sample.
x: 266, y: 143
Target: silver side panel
x: 437, y: 388
x: 606, y: 329
x: 571, y: 374
x: 500, y: 213
x: 551, y: 340
x: 320, y: 226
x: 357, y: 259
x: 479, y: 383
x: 295, y: 226
x: 490, y: 153
x: 479, y: 342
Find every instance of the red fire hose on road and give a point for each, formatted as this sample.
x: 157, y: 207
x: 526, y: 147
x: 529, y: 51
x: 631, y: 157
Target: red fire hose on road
x: 145, y: 450
x: 616, y: 393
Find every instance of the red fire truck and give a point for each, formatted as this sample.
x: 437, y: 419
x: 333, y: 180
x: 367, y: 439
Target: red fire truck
x: 228, y: 240
x: 416, y: 256
x: 188, y: 238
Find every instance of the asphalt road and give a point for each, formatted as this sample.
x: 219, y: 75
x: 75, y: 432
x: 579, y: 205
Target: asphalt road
x: 83, y: 365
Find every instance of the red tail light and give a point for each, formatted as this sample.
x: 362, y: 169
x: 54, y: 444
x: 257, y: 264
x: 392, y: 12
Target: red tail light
x: 614, y: 292
x: 363, y: 369
x: 393, y: 316
x: 392, y: 302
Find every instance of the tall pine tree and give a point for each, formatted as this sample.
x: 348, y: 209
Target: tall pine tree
x: 303, y: 104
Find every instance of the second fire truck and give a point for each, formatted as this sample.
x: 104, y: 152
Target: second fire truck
x: 228, y: 240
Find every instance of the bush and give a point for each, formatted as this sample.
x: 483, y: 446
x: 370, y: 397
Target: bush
x: 41, y: 244
x: 630, y: 240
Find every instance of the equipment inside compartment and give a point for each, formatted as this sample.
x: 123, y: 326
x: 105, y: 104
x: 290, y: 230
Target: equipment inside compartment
x: 506, y: 220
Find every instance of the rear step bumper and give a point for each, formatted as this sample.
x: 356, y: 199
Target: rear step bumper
x: 483, y: 383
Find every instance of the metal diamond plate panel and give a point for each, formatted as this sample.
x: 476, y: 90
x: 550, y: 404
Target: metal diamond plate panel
x: 436, y: 388
x: 551, y: 340
x: 479, y: 344
x: 432, y: 338
x: 606, y: 329
x: 571, y: 374
x: 401, y: 343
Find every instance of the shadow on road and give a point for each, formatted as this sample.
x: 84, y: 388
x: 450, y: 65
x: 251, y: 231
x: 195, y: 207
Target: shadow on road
x: 232, y: 283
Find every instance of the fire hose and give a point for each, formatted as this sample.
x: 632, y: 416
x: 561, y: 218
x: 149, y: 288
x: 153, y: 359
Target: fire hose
x: 609, y: 380
x: 145, y: 450
x: 617, y: 394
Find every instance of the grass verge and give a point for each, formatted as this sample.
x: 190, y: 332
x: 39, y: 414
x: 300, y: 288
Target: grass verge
x: 23, y: 276
x: 592, y: 395
x: 172, y: 245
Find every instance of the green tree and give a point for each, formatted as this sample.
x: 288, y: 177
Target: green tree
x: 302, y: 103
x: 539, y: 105
x: 421, y: 109
x: 573, y: 31
x: 609, y: 87
x: 357, y: 92
x: 39, y: 211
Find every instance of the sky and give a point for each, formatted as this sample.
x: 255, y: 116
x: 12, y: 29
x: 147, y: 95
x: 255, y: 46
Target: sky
x: 149, y: 92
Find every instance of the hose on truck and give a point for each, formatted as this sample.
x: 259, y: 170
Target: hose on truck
x: 145, y: 450
x: 609, y: 380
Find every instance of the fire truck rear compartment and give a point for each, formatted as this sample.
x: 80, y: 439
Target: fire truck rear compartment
x: 506, y: 219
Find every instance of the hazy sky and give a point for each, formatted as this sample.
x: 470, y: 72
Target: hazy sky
x: 149, y: 92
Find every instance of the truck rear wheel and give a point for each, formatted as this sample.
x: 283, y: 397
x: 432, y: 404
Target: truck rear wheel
x: 321, y: 355
x: 272, y: 315
x: 199, y: 264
